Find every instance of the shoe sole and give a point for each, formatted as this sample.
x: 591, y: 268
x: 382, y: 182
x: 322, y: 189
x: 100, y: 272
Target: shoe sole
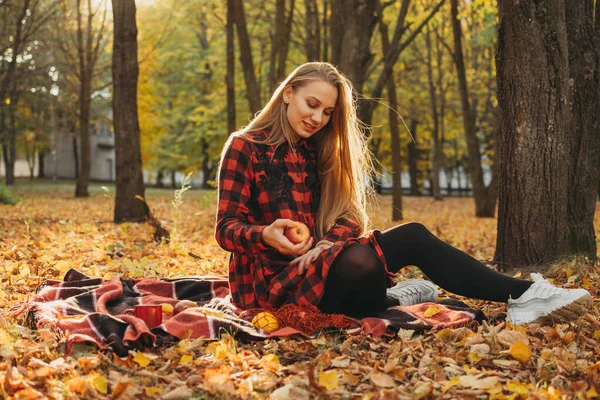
x: 567, y: 313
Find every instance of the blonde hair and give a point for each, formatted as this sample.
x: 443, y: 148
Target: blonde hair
x: 345, y: 163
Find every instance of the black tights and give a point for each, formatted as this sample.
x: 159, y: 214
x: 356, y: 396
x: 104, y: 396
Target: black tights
x: 357, y: 281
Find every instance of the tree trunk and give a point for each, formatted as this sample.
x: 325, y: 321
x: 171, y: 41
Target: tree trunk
x: 230, y: 77
x: 325, y: 26
x: 128, y: 153
x: 548, y: 97
x: 394, y: 131
x: 484, y: 206
x: 312, y: 33
x: 10, y: 151
x: 352, y: 23
x: 252, y: 89
x: 413, y: 158
x: 159, y: 179
x: 173, y: 180
x: 85, y: 161
x: 584, y: 55
x: 41, y: 164
x: 436, y: 148
x: 76, y: 156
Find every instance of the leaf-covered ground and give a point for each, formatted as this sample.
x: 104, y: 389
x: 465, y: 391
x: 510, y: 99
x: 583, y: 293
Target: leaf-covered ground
x: 50, y: 232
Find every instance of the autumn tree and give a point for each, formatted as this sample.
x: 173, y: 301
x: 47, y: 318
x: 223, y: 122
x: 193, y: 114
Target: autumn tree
x: 485, y: 196
x: 22, y: 26
x: 81, y: 48
x: 130, y: 182
x: 548, y: 91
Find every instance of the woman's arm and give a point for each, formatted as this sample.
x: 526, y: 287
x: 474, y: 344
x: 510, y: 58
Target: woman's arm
x: 233, y: 232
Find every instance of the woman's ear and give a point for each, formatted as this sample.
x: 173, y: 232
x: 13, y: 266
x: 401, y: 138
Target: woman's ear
x: 287, y: 92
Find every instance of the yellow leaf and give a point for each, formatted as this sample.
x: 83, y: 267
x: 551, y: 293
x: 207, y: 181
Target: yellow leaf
x: 151, y: 391
x: 99, y: 383
x: 452, y: 382
x: 591, y: 394
x: 517, y: 387
x: 443, y: 333
x: 474, y: 357
x: 329, y: 379
x: 520, y: 351
x: 141, y: 359
x: 212, y: 347
x: 431, y: 311
x: 597, y: 334
x: 270, y: 358
x: 569, y: 272
x: 186, y: 359
x: 167, y: 308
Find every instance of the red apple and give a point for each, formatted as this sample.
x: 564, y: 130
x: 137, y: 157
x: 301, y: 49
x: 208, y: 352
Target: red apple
x: 298, y: 233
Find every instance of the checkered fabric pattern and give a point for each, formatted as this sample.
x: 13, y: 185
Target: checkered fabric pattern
x: 257, y: 185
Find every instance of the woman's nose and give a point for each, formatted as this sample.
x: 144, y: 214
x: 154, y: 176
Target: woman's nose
x: 317, y: 117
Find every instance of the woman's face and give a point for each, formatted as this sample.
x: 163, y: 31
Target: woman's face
x: 310, y: 107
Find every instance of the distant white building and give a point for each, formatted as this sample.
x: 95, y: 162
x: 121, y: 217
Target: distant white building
x: 102, y: 154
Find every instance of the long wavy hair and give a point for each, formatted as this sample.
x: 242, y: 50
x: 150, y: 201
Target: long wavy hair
x: 345, y: 163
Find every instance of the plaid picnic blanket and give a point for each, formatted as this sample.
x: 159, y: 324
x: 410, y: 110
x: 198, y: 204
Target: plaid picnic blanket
x: 92, y: 310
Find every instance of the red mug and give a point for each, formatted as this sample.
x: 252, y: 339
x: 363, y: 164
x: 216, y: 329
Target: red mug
x: 151, y: 314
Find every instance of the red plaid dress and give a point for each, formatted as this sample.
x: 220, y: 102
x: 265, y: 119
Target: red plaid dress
x: 258, y: 184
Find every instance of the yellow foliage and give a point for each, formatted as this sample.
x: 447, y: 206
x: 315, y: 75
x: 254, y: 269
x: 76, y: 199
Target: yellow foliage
x: 520, y: 351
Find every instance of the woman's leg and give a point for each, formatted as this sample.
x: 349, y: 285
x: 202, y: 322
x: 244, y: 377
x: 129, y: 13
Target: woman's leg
x: 356, y: 283
x: 446, y: 266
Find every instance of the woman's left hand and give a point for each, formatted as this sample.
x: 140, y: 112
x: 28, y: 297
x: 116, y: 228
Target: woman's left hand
x: 310, y: 257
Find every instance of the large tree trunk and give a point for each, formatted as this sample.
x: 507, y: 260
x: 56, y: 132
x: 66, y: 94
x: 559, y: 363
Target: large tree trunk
x: 230, y: 77
x: 584, y: 54
x: 252, y: 88
x: 485, y: 199
x: 548, y: 97
x: 352, y: 23
x: 129, y: 177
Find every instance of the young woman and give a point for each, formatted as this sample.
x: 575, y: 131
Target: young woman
x: 304, y: 158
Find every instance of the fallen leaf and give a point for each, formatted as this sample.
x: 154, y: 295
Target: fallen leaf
x: 473, y: 382
x: 517, y: 387
x: 329, y: 379
x: 382, y: 380
x: 431, y: 311
x: 141, y: 359
x: 151, y: 391
x: 290, y: 391
x: 520, y: 351
x: 99, y: 383
x: 186, y: 359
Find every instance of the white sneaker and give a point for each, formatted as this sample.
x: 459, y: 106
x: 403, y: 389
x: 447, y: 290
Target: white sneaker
x: 413, y: 291
x: 545, y: 303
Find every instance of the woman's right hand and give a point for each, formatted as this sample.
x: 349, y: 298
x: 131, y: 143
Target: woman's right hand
x: 273, y: 235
